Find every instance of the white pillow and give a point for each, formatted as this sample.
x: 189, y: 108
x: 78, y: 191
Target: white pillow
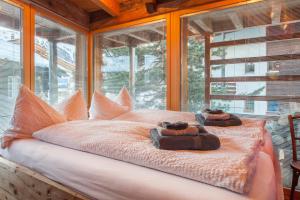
x: 124, y: 98
x: 74, y: 108
x: 104, y: 108
x: 30, y: 114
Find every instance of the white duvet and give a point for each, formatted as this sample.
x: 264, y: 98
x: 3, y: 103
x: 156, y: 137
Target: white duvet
x: 231, y: 167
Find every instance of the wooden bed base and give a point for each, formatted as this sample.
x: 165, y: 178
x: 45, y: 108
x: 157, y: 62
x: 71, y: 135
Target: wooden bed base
x: 20, y: 183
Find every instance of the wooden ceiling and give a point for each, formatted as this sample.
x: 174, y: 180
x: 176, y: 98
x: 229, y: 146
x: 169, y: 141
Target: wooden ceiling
x: 111, y: 7
x: 93, y: 14
x: 89, y: 6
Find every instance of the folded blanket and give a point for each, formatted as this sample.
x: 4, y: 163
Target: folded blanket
x: 174, y: 126
x: 232, y: 121
x: 213, y: 111
x: 190, y: 131
x: 222, y: 116
x: 203, y: 141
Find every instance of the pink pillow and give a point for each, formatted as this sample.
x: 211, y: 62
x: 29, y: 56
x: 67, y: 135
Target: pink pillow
x: 124, y: 98
x: 31, y: 114
x: 74, y: 108
x: 104, y: 108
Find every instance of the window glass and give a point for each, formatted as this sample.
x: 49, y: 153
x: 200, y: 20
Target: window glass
x: 11, y: 64
x: 60, y: 60
x: 135, y: 58
x: 245, y: 60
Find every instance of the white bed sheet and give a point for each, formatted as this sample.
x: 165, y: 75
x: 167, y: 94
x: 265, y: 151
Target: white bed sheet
x: 104, y: 178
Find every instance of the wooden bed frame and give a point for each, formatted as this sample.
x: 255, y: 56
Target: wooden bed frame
x: 20, y: 183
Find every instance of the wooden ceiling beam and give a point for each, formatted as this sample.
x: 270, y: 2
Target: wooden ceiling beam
x: 236, y: 20
x: 162, y: 33
x: 192, y: 30
x: 276, y: 13
x: 66, y: 38
x: 136, y: 29
x: 138, y: 11
x: 112, y: 7
x: 136, y: 36
x: 115, y: 40
x: 195, y: 28
x: 206, y: 26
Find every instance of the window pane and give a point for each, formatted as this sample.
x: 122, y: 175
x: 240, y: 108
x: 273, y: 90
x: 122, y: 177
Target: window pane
x: 192, y: 72
x: 247, y: 61
x: 11, y: 65
x: 135, y: 58
x: 60, y: 60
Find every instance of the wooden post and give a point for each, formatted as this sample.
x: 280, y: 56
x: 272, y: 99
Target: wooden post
x: 53, y: 82
x: 207, y: 69
x: 132, y: 70
x: 174, y: 65
x: 80, y: 65
x: 184, y: 65
x: 90, y: 68
x: 97, y: 76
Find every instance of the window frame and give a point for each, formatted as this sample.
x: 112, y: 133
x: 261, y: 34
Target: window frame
x: 176, y: 53
x: 42, y: 12
x: 25, y: 54
x: 28, y: 34
x: 133, y: 24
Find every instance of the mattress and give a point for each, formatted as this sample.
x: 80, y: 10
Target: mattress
x: 104, y: 178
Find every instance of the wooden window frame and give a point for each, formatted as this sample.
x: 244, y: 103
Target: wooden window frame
x: 38, y: 11
x: 26, y: 57
x: 177, y: 54
x: 173, y: 20
x: 138, y: 23
x: 28, y: 19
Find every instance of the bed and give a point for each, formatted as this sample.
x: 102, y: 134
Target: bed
x: 100, y: 177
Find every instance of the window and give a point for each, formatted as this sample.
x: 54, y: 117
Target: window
x: 60, y: 60
x: 249, y: 106
x: 249, y: 68
x: 273, y: 106
x: 245, y: 60
x: 13, y: 83
x: 135, y: 58
x: 11, y: 64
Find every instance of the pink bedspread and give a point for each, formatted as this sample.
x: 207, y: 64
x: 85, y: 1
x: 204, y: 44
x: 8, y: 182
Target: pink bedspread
x: 231, y: 167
